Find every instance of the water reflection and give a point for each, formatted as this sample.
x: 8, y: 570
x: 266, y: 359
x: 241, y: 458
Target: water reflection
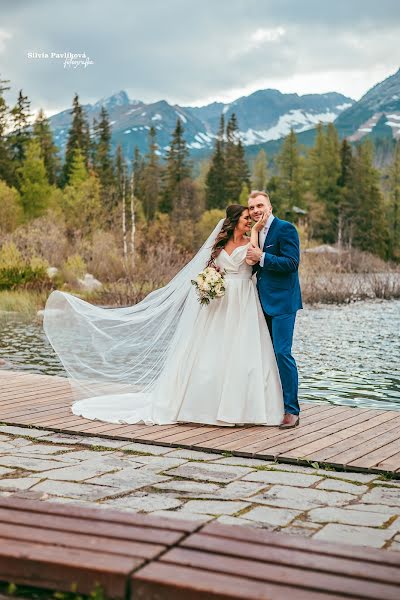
x: 346, y: 355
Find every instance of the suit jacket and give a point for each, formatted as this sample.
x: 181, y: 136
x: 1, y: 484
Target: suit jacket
x: 278, y: 279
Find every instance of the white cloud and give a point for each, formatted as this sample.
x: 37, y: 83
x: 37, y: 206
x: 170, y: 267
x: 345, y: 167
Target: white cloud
x: 4, y: 36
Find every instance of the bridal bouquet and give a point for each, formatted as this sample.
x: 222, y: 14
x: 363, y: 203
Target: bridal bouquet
x: 209, y: 284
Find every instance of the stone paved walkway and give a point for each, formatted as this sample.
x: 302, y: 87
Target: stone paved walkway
x: 347, y: 507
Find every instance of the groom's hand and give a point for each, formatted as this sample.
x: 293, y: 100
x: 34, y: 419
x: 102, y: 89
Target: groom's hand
x: 254, y: 253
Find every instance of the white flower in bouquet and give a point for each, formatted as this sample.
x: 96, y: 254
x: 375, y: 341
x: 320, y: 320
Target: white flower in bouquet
x: 209, y: 284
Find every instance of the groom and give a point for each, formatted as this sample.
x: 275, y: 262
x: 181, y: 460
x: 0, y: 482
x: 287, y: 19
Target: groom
x: 280, y: 296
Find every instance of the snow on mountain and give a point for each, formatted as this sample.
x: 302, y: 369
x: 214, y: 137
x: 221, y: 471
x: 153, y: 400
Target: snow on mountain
x: 264, y: 115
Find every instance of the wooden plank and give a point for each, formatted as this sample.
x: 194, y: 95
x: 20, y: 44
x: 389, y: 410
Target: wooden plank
x: 377, y: 424
x: 294, y: 437
x: 288, y: 557
x: 382, y: 438
x: 56, y: 568
x: 356, y: 441
x: 284, y: 540
x: 274, y: 435
x: 78, y: 540
x: 372, y: 458
x: 326, y: 436
x: 260, y: 569
x: 164, y: 581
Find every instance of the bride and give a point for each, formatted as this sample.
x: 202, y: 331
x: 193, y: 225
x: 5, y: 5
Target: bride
x: 168, y: 359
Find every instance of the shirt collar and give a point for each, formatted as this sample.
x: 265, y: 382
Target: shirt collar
x: 269, y: 221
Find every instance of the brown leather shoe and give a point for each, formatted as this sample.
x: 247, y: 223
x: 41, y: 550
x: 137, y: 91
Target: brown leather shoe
x: 289, y: 421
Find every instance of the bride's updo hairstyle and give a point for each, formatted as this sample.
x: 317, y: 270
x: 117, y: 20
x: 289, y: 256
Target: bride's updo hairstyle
x: 233, y: 214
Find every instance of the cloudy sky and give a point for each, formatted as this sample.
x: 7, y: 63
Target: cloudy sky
x: 192, y: 52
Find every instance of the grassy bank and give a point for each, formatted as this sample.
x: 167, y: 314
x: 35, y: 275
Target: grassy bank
x: 325, y: 278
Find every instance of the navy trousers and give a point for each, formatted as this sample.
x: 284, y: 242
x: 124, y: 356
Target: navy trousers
x: 281, y: 331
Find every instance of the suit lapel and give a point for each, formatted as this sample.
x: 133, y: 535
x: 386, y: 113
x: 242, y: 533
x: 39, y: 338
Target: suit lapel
x: 271, y: 228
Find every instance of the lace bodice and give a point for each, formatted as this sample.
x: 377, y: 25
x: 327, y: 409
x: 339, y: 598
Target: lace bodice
x: 235, y: 264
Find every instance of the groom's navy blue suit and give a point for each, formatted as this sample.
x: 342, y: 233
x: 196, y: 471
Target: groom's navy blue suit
x: 280, y: 296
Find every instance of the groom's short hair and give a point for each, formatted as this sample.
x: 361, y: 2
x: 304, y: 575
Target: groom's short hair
x: 256, y: 193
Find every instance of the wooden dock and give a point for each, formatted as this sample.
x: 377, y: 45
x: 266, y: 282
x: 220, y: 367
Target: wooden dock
x: 357, y: 439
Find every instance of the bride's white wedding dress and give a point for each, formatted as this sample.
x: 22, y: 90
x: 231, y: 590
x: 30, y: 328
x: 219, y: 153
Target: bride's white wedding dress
x: 220, y: 367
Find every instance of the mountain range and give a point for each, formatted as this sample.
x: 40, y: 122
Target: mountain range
x: 264, y: 118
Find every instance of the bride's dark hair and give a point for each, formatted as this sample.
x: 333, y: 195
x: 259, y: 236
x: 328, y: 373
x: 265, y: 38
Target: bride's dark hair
x: 233, y: 214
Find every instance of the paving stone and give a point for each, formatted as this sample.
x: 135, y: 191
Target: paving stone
x: 244, y: 461
x: 383, y: 495
x: 179, y: 514
x: 193, y: 454
x: 351, y: 476
x: 129, y: 479
x: 40, y: 449
x: 80, y: 455
x: 75, y: 490
x: 188, y: 488
x: 272, y: 516
x: 342, y: 486
x: 348, y: 516
x: 20, y: 483
x: 300, y: 531
x: 64, y: 438
x: 274, y: 466
x: 147, y: 448
x: 5, y: 471
x: 380, y: 508
x: 285, y: 478
x: 214, y: 507
x: 301, y: 498
x: 18, y: 442
x: 103, y: 442
x: 30, y: 463
x: 350, y: 534
x: 6, y: 447
x: 388, y: 483
x: 209, y: 472
x: 239, y: 490
x: 306, y: 524
x: 395, y: 525
x: 228, y: 520
x: 394, y: 546
x: 85, y: 470
x: 13, y: 430
x: 159, y: 463
x: 145, y: 502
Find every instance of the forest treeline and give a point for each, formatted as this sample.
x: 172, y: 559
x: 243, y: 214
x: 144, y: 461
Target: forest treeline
x: 94, y: 207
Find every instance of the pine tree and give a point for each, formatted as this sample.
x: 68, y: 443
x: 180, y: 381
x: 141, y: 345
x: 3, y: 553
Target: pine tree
x: 20, y: 136
x: 344, y: 182
x: 236, y: 170
x: 49, y: 151
x: 7, y: 168
x: 368, y: 228
x: 290, y: 184
x: 323, y: 171
x: 78, y: 138
x: 34, y: 185
x: 394, y: 204
x: 151, y: 178
x: 81, y: 198
x: 102, y: 159
x: 178, y: 168
x: 138, y: 165
x: 259, y: 176
x: 215, y: 180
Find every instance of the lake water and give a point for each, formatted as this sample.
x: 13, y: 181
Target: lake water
x: 348, y: 354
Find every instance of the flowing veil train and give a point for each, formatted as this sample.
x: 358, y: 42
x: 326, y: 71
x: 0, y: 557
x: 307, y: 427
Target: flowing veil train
x: 118, y: 357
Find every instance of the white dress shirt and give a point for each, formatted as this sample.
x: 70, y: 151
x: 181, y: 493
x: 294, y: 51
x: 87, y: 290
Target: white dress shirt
x: 262, y: 236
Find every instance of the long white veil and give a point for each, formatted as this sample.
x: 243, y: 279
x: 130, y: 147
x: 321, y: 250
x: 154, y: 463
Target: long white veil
x: 115, y: 357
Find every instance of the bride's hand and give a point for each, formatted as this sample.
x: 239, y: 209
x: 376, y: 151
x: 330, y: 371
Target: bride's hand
x: 260, y: 224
